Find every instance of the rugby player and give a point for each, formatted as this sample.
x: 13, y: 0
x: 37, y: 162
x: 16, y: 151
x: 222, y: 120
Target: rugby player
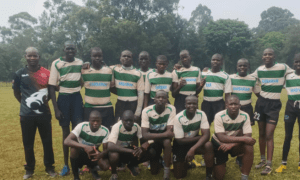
x: 144, y: 63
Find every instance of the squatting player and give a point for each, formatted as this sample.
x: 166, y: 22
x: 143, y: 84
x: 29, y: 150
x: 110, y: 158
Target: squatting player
x: 232, y: 136
x: 188, y: 142
x: 272, y: 77
x: 66, y: 72
x: 292, y: 110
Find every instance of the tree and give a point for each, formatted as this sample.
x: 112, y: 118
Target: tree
x: 201, y: 16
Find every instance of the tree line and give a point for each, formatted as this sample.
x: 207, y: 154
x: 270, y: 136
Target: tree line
x: 151, y: 25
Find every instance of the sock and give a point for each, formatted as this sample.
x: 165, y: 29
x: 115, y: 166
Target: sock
x: 263, y: 157
x: 284, y: 162
x: 269, y: 163
x: 244, y: 177
x: 166, y: 172
x: 74, y: 165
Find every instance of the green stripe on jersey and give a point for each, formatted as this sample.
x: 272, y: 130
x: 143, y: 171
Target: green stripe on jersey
x: 191, y: 127
x: 126, y: 137
x: 97, y: 77
x: 70, y: 69
x: 126, y: 77
x: 127, y: 92
x: 271, y: 74
x: 160, y: 120
x: 187, y: 74
x: 292, y: 83
x: 160, y: 80
x: 215, y: 79
x: 70, y: 84
x: 242, y: 82
x: 233, y: 126
x: 97, y: 93
x: 189, y: 87
x: 91, y: 139
x: 243, y: 96
x: 294, y: 97
x: 272, y: 89
x: 213, y: 93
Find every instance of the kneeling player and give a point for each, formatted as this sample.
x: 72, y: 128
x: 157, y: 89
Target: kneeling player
x: 187, y: 143
x: 84, y: 141
x: 232, y: 136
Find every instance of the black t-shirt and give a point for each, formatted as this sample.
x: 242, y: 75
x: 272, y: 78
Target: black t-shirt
x: 33, y: 88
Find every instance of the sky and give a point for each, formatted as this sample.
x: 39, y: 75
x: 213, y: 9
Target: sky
x: 244, y: 10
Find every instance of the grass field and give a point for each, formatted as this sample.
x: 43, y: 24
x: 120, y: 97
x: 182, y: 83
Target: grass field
x: 12, y: 154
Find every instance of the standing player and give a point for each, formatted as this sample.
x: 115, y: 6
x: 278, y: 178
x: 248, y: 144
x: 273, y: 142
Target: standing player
x: 123, y: 145
x: 292, y: 110
x: 232, y: 136
x: 129, y: 86
x: 31, y: 90
x: 160, y: 79
x: 66, y: 72
x: 144, y: 62
x: 186, y: 81
x: 268, y: 105
x: 97, y: 82
x: 217, y: 83
x: 157, y: 126
x: 187, y: 143
x: 85, y: 140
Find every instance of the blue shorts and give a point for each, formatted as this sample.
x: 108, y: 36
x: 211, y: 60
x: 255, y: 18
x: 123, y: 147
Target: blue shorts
x: 71, y: 107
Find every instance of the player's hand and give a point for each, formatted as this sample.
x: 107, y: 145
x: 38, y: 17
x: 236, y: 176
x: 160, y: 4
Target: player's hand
x: 182, y: 82
x: 177, y: 66
x: 96, y: 156
x: 86, y: 65
x: 58, y: 114
x: 225, y: 147
x: 136, y: 119
x: 169, y: 133
x: 203, y: 81
x: 249, y: 140
x: 137, y: 152
x: 145, y: 146
x: 190, y: 155
x: 89, y: 150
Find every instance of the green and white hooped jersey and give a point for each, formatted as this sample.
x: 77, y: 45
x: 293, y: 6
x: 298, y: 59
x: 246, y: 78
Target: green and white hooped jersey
x: 292, y: 86
x: 272, y: 79
x: 243, y: 87
x: 145, y: 73
x: 155, y: 82
x: 216, y: 84
x: 97, y: 84
x: 157, y: 123
x: 85, y: 135
x: 120, y: 136
x: 186, y: 128
x: 192, y: 76
x: 128, y: 82
x: 67, y: 75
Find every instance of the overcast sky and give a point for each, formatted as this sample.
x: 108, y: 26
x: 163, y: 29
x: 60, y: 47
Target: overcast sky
x: 244, y: 10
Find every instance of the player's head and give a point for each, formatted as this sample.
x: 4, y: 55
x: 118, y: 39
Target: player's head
x: 95, y: 120
x: 297, y: 61
x: 161, y: 63
x: 185, y: 58
x: 268, y: 57
x: 70, y: 49
x: 126, y: 58
x: 32, y: 56
x: 191, y: 104
x: 96, y: 56
x: 161, y: 98
x: 144, y: 59
x: 233, y: 104
x: 216, y: 61
x: 242, y: 66
x: 127, y: 120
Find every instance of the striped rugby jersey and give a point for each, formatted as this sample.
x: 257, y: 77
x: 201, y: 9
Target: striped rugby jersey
x: 224, y: 124
x: 128, y: 82
x: 85, y: 135
x: 185, y: 128
x: 216, y: 84
x: 120, y: 136
x: 67, y: 75
x: 192, y: 75
x: 157, y: 123
x: 243, y: 87
x: 97, y: 84
x: 272, y: 79
x: 145, y: 73
x: 155, y: 82
x: 292, y: 86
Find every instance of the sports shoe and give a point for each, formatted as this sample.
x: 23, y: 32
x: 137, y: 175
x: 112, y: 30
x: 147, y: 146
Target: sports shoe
x: 122, y: 167
x: 65, y: 171
x: 266, y: 171
x: 28, y: 174
x: 51, y: 173
x: 95, y: 175
x: 281, y: 168
x: 197, y: 164
x: 133, y: 171
x: 113, y: 177
x: 298, y: 168
x: 209, y: 177
x: 261, y: 164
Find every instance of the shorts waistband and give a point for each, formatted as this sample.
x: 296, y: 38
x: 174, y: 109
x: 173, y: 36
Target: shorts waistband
x: 221, y: 100
x: 266, y: 99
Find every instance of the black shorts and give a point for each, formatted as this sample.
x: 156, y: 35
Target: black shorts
x: 122, y: 106
x: 292, y: 111
x: 180, y: 151
x: 212, y: 108
x: 157, y: 148
x: 179, y: 103
x: 128, y: 158
x: 267, y: 110
x: 249, y: 110
x: 107, y: 115
x: 220, y: 156
x: 83, y: 159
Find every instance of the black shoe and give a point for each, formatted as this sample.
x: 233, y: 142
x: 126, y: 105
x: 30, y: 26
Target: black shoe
x: 28, y: 174
x: 133, y: 171
x: 51, y: 173
x: 95, y: 175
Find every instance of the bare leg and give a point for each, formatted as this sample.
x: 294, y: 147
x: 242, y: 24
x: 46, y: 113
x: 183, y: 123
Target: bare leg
x: 180, y: 169
x: 247, y: 159
x: 113, y: 161
x: 219, y: 171
x: 270, y: 140
x: 262, y: 137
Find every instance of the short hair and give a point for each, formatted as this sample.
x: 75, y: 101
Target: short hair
x: 162, y: 57
x: 161, y: 91
x: 95, y: 113
x: 269, y: 49
x: 31, y: 49
x: 69, y: 42
x: 297, y: 56
x: 145, y: 53
x: 232, y: 97
x: 184, y: 51
x: 127, y: 113
x: 220, y: 55
x: 127, y: 51
x: 97, y: 49
x: 243, y: 59
x: 191, y: 96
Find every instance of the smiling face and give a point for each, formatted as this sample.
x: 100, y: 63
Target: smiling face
x: 97, y: 58
x: 191, y: 104
x: 32, y: 58
x: 126, y: 58
x: 70, y: 50
x: 242, y: 67
x: 268, y: 57
x: 216, y: 61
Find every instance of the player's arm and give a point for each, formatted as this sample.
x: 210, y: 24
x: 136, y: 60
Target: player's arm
x: 227, y: 88
x: 16, y: 88
x: 177, y: 84
x: 71, y: 141
x: 58, y: 113
x: 200, y: 85
x: 247, y: 139
x: 17, y: 94
x: 146, y: 99
x: 112, y: 147
x: 157, y: 136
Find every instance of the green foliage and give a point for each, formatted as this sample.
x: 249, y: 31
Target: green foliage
x: 272, y: 40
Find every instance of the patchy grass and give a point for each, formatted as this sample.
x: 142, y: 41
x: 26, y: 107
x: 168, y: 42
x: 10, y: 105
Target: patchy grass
x: 12, y: 154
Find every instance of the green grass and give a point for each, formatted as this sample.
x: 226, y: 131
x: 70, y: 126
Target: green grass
x: 12, y: 156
